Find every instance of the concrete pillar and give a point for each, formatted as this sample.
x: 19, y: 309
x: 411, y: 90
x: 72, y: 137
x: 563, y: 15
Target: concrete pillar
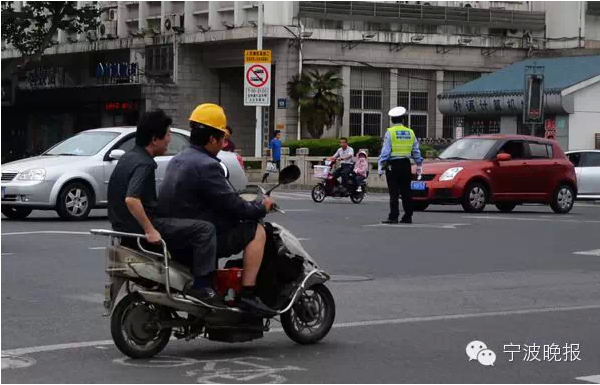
x: 239, y: 13
x: 508, y: 125
x: 214, y: 19
x: 393, y: 88
x: 346, y: 95
x: 166, y: 8
x: 188, y: 18
x: 143, y: 12
x: 439, y: 118
x: 122, y: 30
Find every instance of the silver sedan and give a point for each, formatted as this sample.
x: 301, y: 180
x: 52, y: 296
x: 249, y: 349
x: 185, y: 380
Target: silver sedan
x: 587, y: 168
x: 72, y: 177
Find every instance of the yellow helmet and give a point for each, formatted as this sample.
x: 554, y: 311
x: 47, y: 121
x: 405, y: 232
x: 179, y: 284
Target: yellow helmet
x: 211, y: 115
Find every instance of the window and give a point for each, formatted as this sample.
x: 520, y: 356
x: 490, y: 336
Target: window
x: 448, y: 127
x: 591, y: 159
x: 84, y: 144
x: 127, y: 145
x: 515, y: 149
x: 356, y: 99
x: 418, y: 123
x: 178, y: 143
x: 372, y: 124
x: 355, y: 124
x: 538, y: 150
x: 418, y: 101
x: 372, y: 100
x: 159, y: 59
x: 575, y: 159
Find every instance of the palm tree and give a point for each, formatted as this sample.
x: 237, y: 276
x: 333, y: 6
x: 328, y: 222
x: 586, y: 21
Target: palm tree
x: 316, y: 94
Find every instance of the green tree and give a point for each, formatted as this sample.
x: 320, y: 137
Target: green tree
x: 32, y: 28
x: 316, y: 94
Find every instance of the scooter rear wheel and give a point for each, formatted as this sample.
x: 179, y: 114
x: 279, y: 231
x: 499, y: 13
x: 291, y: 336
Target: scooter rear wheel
x: 311, y: 317
x: 318, y: 193
x: 133, y: 330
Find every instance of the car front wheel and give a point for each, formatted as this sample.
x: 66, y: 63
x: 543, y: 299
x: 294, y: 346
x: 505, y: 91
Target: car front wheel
x: 74, y: 202
x: 475, y: 198
x: 563, y: 199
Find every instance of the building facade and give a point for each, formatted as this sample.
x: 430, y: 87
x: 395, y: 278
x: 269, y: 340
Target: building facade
x: 174, y: 55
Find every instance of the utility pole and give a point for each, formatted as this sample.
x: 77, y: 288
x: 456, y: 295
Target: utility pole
x: 259, y: 117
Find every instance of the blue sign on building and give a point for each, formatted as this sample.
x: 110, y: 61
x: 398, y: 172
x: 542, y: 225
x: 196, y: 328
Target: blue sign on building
x: 282, y: 103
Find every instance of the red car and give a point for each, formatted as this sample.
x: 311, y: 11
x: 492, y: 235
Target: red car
x: 506, y: 170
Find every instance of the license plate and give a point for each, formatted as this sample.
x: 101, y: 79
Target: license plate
x: 3, y: 192
x: 417, y: 185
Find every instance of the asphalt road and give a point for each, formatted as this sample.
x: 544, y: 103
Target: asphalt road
x: 410, y: 299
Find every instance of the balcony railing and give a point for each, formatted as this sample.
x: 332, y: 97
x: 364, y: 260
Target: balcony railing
x: 422, y: 14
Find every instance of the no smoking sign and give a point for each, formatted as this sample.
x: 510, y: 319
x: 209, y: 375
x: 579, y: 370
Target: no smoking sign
x: 257, y: 79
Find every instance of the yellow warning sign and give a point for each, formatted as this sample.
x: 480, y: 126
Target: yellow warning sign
x: 257, y: 56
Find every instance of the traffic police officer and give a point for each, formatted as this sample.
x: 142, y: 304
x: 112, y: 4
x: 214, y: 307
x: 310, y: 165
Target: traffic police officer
x: 399, y: 145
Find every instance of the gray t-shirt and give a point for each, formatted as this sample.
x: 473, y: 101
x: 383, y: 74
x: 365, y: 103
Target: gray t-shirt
x: 345, y: 155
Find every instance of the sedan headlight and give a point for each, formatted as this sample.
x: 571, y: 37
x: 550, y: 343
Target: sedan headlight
x: 450, y: 173
x: 33, y: 174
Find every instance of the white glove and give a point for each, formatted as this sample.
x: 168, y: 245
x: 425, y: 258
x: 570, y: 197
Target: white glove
x: 419, y: 171
x: 380, y: 171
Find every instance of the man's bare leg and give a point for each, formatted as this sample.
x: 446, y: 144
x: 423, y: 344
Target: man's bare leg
x: 253, y: 255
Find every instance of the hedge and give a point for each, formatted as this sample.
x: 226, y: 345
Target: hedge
x: 328, y: 146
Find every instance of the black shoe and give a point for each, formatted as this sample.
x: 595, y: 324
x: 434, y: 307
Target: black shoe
x: 254, y: 304
x: 390, y: 222
x: 406, y: 220
x: 206, y: 295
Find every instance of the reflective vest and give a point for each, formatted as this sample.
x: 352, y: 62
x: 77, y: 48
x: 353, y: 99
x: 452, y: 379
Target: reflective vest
x: 403, y: 139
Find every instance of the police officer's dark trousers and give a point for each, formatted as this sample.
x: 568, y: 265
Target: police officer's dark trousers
x: 398, y: 175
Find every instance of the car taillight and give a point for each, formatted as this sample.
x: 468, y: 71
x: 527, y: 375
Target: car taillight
x: 239, y: 158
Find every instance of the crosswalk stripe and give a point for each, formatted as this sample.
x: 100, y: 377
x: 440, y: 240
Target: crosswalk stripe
x: 595, y: 379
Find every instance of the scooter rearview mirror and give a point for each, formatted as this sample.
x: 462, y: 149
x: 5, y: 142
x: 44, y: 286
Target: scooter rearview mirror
x: 289, y: 174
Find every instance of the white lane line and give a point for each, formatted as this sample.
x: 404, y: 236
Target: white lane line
x: 395, y: 321
x: 49, y: 232
x: 593, y: 379
x: 303, y: 239
x: 421, y: 225
x: 97, y: 248
x: 3, y: 254
x: 545, y: 219
x: 297, y: 210
x: 595, y: 253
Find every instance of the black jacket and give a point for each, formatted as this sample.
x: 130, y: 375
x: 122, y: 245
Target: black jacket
x: 195, y: 187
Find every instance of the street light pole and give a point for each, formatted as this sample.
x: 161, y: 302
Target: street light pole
x: 300, y: 60
x: 259, y: 45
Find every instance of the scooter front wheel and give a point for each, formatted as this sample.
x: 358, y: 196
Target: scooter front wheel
x: 311, y: 317
x: 318, y: 193
x: 134, y: 327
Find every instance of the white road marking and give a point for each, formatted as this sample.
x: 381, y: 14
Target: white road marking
x: 595, y: 253
x: 14, y: 362
x: 538, y: 219
x: 298, y: 210
x: 395, y: 321
x: 3, y: 254
x: 49, y: 232
x: 593, y: 379
x: 303, y: 239
x: 97, y: 248
x: 421, y: 225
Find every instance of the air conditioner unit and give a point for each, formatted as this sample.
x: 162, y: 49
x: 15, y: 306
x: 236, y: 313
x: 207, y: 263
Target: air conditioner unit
x: 171, y: 23
x: 107, y: 29
x: 112, y: 14
x: 469, y: 4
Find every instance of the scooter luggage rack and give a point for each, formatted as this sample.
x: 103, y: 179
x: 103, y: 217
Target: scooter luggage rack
x: 166, y: 256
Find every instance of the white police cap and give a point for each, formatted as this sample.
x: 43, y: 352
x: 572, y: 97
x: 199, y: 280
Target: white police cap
x: 397, y: 111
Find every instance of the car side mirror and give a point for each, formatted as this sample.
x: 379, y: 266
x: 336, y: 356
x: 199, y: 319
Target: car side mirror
x: 503, y: 157
x: 116, y: 154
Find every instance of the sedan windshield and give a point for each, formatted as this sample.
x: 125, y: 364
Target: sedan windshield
x: 468, y: 149
x: 84, y: 144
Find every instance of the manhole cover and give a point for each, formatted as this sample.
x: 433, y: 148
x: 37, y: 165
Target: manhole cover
x: 350, y: 278
x: 14, y: 362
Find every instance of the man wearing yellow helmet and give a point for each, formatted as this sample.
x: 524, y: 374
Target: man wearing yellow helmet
x: 195, y: 186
